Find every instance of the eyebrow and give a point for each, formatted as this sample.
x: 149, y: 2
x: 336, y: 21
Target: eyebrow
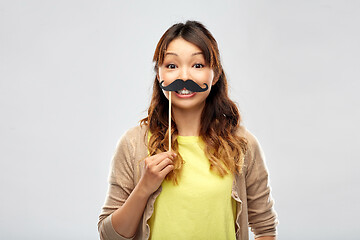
x: 172, y: 53
x: 197, y: 53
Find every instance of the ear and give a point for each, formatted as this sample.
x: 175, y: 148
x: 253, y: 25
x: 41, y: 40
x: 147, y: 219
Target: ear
x: 157, y: 75
x: 216, y: 78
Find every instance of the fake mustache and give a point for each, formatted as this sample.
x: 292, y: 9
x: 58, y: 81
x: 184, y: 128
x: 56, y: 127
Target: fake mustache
x: 180, y: 84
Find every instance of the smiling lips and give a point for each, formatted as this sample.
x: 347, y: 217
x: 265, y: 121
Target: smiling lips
x: 184, y: 93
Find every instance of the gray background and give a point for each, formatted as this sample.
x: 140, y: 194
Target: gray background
x: 75, y: 75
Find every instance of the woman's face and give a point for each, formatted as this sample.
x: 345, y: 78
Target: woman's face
x: 184, y: 60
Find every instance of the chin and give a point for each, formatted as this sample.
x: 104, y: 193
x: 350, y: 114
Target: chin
x: 188, y: 106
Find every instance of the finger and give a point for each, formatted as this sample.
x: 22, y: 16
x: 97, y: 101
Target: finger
x: 156, y: 159
x: 172, y: 154
x: 166, y: 170
x: 163, y: 164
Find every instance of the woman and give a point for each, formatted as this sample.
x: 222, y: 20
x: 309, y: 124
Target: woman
x: 214, y: 182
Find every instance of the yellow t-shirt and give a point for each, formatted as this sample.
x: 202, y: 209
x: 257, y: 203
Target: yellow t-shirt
x: 200, y: 206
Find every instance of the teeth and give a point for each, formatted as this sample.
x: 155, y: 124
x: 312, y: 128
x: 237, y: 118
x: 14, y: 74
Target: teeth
x: 184, y: 92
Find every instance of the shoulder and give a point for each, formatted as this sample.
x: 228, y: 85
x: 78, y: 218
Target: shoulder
x: 251, y: 139
x: 132, y: 143
x: 134, y: 134
x: 132, y: 139
x: 135, y: 131
x: 254, y: 153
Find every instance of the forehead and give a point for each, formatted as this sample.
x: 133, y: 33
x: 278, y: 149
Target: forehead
x: 180, y: 47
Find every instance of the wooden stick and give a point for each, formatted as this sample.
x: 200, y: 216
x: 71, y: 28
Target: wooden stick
x: 169, y: 120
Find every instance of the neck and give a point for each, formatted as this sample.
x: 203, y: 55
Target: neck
x: 187, y: 121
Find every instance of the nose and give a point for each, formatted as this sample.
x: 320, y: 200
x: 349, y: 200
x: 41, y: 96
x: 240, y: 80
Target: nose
x: 184, y: 74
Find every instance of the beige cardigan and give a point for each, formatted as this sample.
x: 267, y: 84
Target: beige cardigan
x: 251, y: 189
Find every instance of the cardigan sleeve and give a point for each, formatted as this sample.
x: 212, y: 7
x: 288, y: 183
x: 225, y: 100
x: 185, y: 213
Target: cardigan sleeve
x: 121, y: 184
x: 261, y: 214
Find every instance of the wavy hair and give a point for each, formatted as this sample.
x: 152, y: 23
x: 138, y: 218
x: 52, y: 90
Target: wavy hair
x: 220, y: 118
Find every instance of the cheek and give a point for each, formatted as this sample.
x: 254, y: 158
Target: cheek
x: 166, y: 93
x: 167, y: 76
x: 211, y: 76
x: 205, y: 77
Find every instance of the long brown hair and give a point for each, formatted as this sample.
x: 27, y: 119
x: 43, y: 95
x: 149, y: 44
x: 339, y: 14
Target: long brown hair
x: 220, y: 119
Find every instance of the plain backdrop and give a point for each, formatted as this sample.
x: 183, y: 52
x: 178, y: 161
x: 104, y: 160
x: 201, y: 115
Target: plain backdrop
x: 75, y: 75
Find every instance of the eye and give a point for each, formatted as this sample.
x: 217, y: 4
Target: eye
x: 198, y: 65
x: 171, y: 66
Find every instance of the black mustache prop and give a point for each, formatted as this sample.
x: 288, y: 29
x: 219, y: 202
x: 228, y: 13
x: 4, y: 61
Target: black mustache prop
x: 180, y: 84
